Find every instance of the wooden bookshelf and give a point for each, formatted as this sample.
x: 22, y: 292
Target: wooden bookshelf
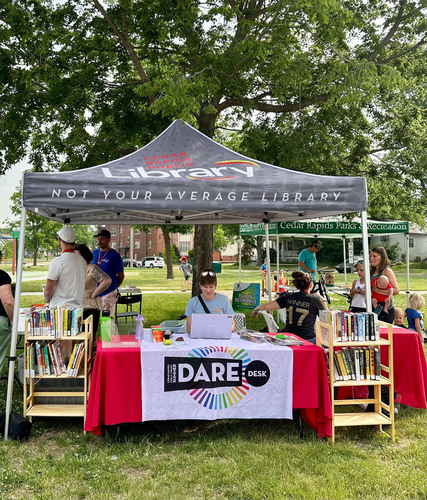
x: 33, y: 408
x: 376, y: 418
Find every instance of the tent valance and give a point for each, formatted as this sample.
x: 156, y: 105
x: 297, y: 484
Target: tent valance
x: 184, y: 177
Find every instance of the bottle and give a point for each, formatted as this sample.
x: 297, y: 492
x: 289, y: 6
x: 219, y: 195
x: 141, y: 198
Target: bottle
x: 105, y: 326
x: 139, y: 330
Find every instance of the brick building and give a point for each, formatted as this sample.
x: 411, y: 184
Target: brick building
x: 146, y: 244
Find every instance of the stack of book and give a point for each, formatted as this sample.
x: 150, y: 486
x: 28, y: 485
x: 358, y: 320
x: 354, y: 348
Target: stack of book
x: 50, y: 358
x: 58, y: 321
x: 350, y: 327
x: 357, y: 363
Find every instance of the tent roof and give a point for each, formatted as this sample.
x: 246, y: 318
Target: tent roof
x: 330, y: 227
x: 184, y: 177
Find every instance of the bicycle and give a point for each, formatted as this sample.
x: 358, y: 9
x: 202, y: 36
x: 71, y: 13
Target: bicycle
x: 320, y: 287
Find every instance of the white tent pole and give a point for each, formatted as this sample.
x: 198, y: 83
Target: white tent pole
x: 365, y: 242
x: 14, y: 336
x: 267, y: 254
x: 407, y: 269
x: 131, y: 248
x: 240, y: 258
x: 345, y: 259
x: 277, y: 261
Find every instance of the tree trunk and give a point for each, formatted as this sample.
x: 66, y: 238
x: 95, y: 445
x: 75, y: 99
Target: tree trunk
x: 203, y: 234
x: 259, y: 240
x: 35, y: 258
x: 203, y: 248
x: 169, y: 266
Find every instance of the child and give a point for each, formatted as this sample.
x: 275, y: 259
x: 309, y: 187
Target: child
x: 357, y: 292
x: 382, y: 292
x: 282, y: 288
x: 415, y: 316
x: 399, y: 317
x: 186, y: 269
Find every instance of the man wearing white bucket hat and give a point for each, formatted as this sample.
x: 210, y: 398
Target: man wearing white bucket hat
x: 65, y: 282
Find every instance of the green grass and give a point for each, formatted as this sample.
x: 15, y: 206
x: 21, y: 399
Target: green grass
x: 210, y: 460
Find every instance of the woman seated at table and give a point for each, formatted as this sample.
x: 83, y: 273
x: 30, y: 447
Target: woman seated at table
x: 215, y: 303
x: 302, y: 308
x: 97, y: 281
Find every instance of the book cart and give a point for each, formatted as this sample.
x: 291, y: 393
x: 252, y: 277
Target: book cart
x: 72, y: 387
x: 327, y: 338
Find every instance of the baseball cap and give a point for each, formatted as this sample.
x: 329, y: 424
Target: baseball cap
x: 183, y: 258
x: 103, y: 232
x: 67, y: 234
x: 316, y: 243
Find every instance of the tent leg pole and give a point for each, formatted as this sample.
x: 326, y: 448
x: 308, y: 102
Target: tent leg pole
x: 240, y: 259
x: 345, y: 259
x: 407, y: 269
x: 267, y: 254
x: 15, y: 322
x: 365, y: 242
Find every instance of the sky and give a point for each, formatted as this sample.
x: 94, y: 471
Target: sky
x: 8, y: 184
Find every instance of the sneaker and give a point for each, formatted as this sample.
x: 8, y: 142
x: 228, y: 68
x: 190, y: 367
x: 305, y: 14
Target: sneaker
x: 183, y: 290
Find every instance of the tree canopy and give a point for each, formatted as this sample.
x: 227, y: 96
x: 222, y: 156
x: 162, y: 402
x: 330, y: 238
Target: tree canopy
x: 329, y: 87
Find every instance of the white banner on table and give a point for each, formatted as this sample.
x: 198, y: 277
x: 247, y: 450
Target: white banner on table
x: 211, y: 380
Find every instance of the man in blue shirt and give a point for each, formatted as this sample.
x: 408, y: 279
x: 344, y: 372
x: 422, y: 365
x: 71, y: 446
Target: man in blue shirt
x: 307, y: 260
x: 111, y: 262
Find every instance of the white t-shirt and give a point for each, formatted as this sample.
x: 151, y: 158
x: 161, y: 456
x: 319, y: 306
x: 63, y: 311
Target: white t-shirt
x: 359, y: 300
x: 69, y: 270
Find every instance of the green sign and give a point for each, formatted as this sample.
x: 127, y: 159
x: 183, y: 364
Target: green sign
x: 246, y: 296
x: 325, y: 227
x: 15, y: 234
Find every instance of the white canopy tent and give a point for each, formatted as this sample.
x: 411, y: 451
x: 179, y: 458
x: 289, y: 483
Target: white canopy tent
x: 182, y: 177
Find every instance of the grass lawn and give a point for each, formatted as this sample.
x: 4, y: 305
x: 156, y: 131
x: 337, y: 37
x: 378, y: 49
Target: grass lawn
x: 211, y: 460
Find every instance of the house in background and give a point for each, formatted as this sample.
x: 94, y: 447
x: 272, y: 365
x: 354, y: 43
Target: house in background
x: 146, y: 244
x: 417, y: 243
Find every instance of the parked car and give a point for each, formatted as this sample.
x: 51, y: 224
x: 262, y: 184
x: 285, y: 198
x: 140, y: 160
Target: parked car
x: 126, y: 263
x: 152, y: 262
x: 340, y: 267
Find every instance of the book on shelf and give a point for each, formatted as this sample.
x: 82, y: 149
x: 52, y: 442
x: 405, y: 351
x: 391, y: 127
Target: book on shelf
x: 377, y: 355
x: 78, y: 361
x: 343, y: 368
x: 362, y: 363
x: 350, y: 363
x: 58, y: 321
x: 372, y: 360
x: 355, y: 352
x: 350, y: 327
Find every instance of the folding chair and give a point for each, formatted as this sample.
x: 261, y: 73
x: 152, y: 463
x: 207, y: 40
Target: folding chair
x: 128, y: 300
x: 239, y: 322
x: 271, y: 324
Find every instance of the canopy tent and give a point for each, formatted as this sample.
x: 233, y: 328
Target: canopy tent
x: 181, y: 177
x: 332, y: 227
x: 184, y: 177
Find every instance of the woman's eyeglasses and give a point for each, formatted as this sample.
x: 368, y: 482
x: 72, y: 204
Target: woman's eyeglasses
x: 205, y: 273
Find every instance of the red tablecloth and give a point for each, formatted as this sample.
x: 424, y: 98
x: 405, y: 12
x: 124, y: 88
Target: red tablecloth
x: 115, y: 392
x: 410, y: 367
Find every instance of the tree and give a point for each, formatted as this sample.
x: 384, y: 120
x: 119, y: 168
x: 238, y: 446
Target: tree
x: 167, y: 230
x: 41, y: 233
x: 314, y: 86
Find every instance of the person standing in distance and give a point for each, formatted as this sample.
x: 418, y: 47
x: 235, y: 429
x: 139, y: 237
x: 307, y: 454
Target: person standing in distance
x: 6, y: 313
x: 307, y: 260
x: 65, y: 283
x: 111, y: 262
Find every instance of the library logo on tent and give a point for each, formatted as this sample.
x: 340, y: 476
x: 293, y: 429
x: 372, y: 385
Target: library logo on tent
x: 183, y: 167
x: 215, y: 377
